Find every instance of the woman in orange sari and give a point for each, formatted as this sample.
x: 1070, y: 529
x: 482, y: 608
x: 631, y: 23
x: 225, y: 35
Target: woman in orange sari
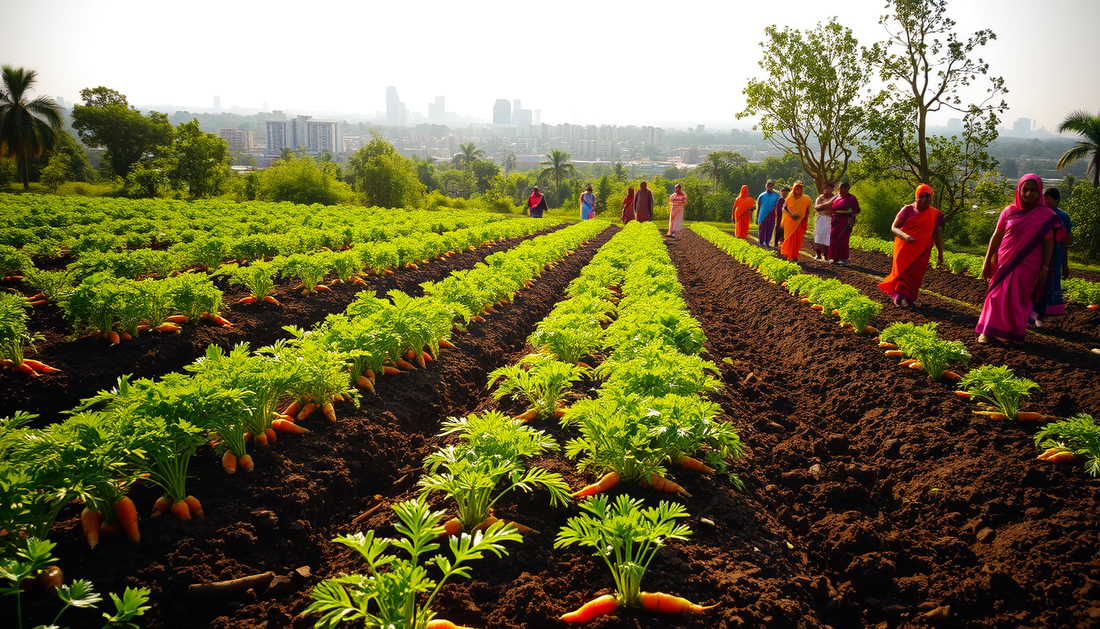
x: 742, y: 212
x: 917, y: 227
x: 795, y: 211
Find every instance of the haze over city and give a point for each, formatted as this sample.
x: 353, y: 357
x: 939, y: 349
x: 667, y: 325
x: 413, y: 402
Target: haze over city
x: 653, y: 63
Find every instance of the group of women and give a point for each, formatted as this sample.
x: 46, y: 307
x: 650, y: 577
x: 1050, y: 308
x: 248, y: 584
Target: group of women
x: 786, y: 217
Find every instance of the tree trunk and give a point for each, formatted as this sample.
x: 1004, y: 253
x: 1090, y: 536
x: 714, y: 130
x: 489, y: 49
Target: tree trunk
x: 25, y: 174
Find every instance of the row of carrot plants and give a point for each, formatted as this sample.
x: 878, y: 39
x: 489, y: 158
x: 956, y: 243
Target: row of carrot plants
x: 1074, y: 289
x: 648, y: 414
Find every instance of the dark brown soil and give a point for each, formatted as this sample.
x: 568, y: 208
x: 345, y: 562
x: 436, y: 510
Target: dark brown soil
x: 88, y: 365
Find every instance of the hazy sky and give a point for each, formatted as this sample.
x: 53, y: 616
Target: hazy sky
x: 589, y: 62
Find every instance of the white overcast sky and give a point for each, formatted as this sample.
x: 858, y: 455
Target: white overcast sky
x: 588, y: 62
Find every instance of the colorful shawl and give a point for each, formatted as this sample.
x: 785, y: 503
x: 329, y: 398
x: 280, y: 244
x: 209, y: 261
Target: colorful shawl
x: 911, y: 258
x: 742, y: 212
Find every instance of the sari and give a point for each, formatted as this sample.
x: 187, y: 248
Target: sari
x: 794, y: 229
x: 676, y: 203
x: 1052, y: 303
x: 845, y: 208
x: 588, y: 205
x: 536, y: 205
x: 742, y: 212
x: 1016, y: 267
x: 911, y: 258
x: 643, y: 204
x: 628, y: 208
x: 766, y: 216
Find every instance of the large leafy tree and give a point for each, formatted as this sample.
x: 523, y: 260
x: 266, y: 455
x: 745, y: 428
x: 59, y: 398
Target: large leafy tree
x: 201, y: 160
x: 467, y: 154
x: 384, y: 177
x: 812, y: 103
x: 1088, y: 127
x: 28, y: 128
x: 107, y: 120
x: 556, y: 166
x: 718, y: 165
x: 926, y: 69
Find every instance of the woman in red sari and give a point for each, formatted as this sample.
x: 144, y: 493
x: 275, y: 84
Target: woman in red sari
x: 742, y: 212
x: 1017, y: 262
x: 628, y: 205
x: 796, y: 209
x: 917, y: 227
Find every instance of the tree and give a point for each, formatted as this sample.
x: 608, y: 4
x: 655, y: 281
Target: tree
x: 467, y: 153
x: 923, y: 76
x: 811, y: 103
x: 56, y: 172
x: 300, y: 179
x: 384, y: 177
x: 201, y: 160
x: 1088, y: 126
x: 107, y: 120
x: 1084, y: 208
x: 508, y: 162
x: 28, y: 128
x: 557, y: 167
x: 718, y: 164
x: 619, y: 170
x: 483, y: 171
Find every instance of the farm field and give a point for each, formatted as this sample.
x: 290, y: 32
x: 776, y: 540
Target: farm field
x: 872, y: 496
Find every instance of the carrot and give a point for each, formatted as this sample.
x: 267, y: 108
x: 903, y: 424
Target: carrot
x: 90, y: 522
x: 490, y: 310
x: 421, y: 359
x: 870, y: 329
x: 24, y: 368
x: 162, y: 505
x: 271, y: 300
x: 13, y: 278
x: 141, y: 328
x: 439, y: 623
x: 282, y: 425
x: 125, y: 336
x: 112, y: 336
x: 128, y: 518
x: 916, y: 365
x: 608, y: 481
x: 664, y: 484
x: 1058, y: 455
x: 307, y: 410
x: 894, y: 353
x: 167, y: 328
x: 390, y: 371
x: 445, y: 344
x: 477, y: 319
x: 194, y: 505
x: 951, y: 375
x: 220, y: 320
x: 36, y: 297
x: 40, y: 367
x: 387, y: 271
x: 887, y: 346
x: 963, y: 394
x: 369, y: 373
x: 989, y: 414
x: 593, y: 609
x: 247, y: 300
x: 177, y: 318
x: 358, y: 281
x: 403, y: 364
x: 452, y: 527
x: 694, y: 464
x: 526, y: 416
x: 835, y: 312
x: 271, y: 436
x: 245, y: 463
x: 491, y: 520
x: 559, y: 413
x: 907, y: 362
x: 1092, y: 307
x: 411, y: 265
x: 229, y: 462
x: 293, y: 408
x: 1029, y: 416
x: 37, y: 302
x: 255, y: 582
x: 817, y: 306
x: 260, y: 439
x: 329, y: 412
x: 669, y: 604
x: 181, y: 511
x: 321, y: 287
x: 364, y: 382
x: 804, y: 300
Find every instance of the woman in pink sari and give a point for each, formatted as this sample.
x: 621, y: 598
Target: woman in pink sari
x: 1017, y: 261
x: 676, y: 204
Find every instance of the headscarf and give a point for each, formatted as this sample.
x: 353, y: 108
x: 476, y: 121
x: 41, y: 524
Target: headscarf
x: 629, y: 195
x: 536, y: 195
x: 796, y: 191
x: 925, y: 188
x: 744, y: 192
x: 1017, y: 204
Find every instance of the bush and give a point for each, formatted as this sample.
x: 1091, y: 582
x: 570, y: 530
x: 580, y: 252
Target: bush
x: 1084, y: 209
x: 879, y: 204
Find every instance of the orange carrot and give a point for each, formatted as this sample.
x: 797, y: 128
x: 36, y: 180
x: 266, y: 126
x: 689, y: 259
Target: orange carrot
x: 583, y: 365
x: 477, y: 319
x: 194, y: 505
x: 271, y: 300
x: 247, y: 300
x: 307, y: 410
x: 39, y: 367
x: 870, y: 329
x: 229, y: 462
x: 271, y: 436
x: 403, y: 364
x: 220, y: 320
x: 411, y: 265
x: 593, y: 609
x: 490, y: 310
x: 127, y: 516
x: 390, y: 371
x: 364, y: 382
x: 282, y: 425
x: 817, y: 307
x: 1058, y: 455
x: 887, y: 346
x: 951, y: 375
x: 358, y: 281
x: 293, y: 408
x: 321, y: 287
x: 907, y: 362
x: 835, y: 312
x: 608, y: 481
x: 445, y: 344
x: 245, y: 463
x: 369, y: 373
x: 664, y: 484
x: 421, y: 359
x: 694, y: 464
x: 387, y: 271
x: 1092, y: 307
x: 260, y: 439
x: 963, y: 394
x: 181, y: 511
x: 167, y: 328
x: 36, y: 297
x: 112, y: 336
x: 37, y: 302
x: 177, y: 318
x: 162, y: 505
x: 439, y: 623
x: 25, y: 369
x: 125, y: 336
x: 916, y: 365
x: 329, y: 412
x: 894, y: 353
x: 989, y: 414
x: 526, y: 416
x: 491, y: 520
x: 804, y: 300
x: 559, y: 413
x: 1029, y: 416
x: 90, y: 522
x: 452, y: 527
x: 669, y: 604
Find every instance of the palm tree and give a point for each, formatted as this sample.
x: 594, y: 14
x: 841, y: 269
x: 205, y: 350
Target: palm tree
x: 619, y: 171
x: 717, y: 164
x: 509, y: 162
x: 468, y: 153
x: 28, y: 128
x: 557, y: 166
x: 1087, y: 125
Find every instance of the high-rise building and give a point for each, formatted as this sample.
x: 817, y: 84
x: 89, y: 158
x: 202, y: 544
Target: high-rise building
x: 278, y: 133
x: 1022, y: 126
x: 304, y: 132
x: 238, y: 140
x: 396, y: 113
x: 437, y: 111
x: 502, y: 112
x: 218, y: 104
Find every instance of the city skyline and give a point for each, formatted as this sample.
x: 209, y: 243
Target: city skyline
x: 146, y: 52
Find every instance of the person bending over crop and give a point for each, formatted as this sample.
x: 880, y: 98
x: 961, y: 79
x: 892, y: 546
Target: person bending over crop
x: 916, y: 228
x: 1017, y: 261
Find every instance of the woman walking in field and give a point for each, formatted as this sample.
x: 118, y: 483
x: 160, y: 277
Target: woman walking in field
x: 742, y: 212
x: 823, y: 206
x: 536, y: 203
x: 916, y: 228
x: 628, y: 205
x: 588, y: 203
x: 845, y: 209
x: 795, y: 212
x: 676, y: 204
x: 1017, y: 261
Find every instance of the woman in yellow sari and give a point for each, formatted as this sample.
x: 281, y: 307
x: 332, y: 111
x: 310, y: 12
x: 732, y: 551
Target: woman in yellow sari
x: 795, y: 211
x: 742, y: 212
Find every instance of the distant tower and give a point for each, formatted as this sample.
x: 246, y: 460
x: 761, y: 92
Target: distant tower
x: 437, y: 111
x: 502, y: 112
x: 395, y: 109
x: 218, y: 104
